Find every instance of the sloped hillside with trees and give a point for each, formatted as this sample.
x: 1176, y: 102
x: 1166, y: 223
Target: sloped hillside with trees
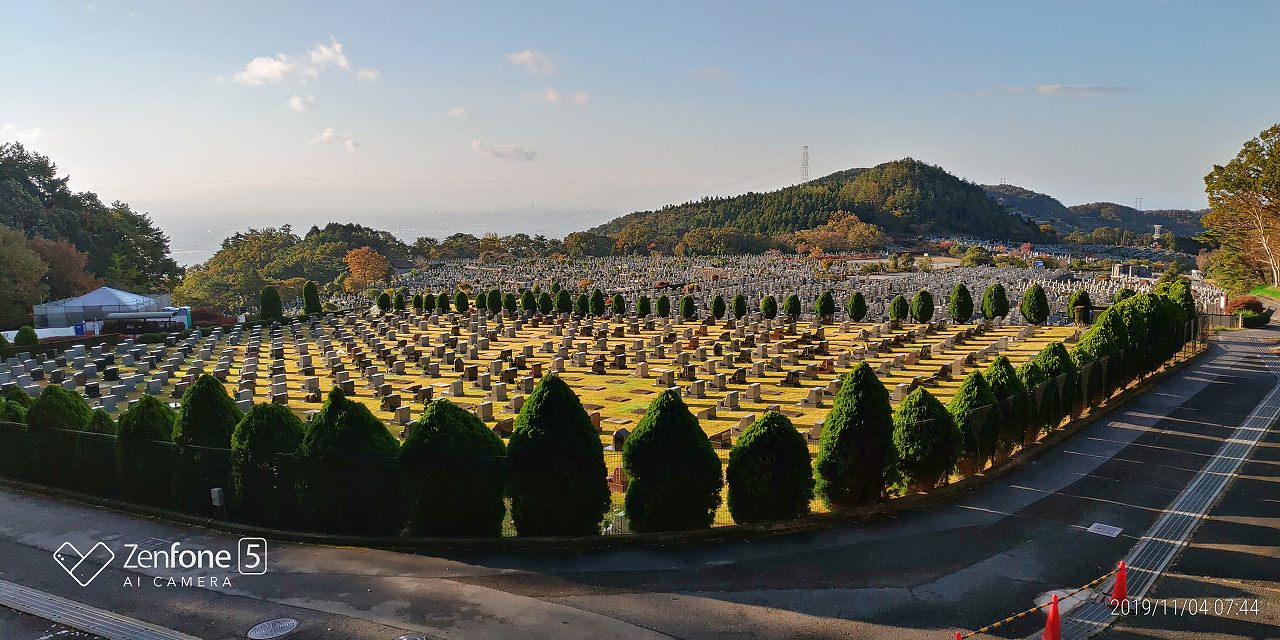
x: 903, y: 197
x: 121, y: 246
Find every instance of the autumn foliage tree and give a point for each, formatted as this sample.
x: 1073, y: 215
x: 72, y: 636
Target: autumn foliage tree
x: 365, y: 267
x: 67, y: 276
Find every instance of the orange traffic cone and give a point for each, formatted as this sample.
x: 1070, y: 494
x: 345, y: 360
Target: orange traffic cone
x: 1053, y: 624
x: 1120, y: 590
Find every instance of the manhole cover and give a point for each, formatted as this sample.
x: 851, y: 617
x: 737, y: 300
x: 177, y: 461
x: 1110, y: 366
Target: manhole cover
x: 273, y: 629
x: 411, y: 636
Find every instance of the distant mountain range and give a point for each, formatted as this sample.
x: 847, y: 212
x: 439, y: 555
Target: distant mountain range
x: 904, y: 197
x: 1087, y: 217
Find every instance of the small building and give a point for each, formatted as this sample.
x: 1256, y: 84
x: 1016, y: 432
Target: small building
x: 93, y: 308
x: 1130, y: 271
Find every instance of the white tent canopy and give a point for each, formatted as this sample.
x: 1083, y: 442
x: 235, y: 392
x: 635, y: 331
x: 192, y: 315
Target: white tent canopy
x: 95, y: 306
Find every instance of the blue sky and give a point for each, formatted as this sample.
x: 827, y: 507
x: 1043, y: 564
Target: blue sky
x: 551, y: 116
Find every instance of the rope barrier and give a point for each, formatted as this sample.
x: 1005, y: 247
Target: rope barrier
x: 1023, y: 614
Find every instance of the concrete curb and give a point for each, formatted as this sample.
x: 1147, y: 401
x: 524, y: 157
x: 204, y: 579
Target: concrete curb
x: 716, y: 534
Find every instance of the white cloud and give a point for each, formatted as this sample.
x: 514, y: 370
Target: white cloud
x: 260, y: 71
x: 546, y: 95
x: 582, y: 97
x: 504, y: 151
x: 458, y: 112
x: 321, y: 56
x: 1080, y: 90
x: 10, y: 131
x: 302, y: 103
x: 329, y: 136
x: 532, y: 61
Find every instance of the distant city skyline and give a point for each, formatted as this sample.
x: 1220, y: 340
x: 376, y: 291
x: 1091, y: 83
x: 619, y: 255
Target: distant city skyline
x: 559, y: 116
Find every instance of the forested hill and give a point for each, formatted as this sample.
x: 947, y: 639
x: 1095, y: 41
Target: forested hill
x: 122, y: 247
x: 904, y: 197
x: 1094, y: 215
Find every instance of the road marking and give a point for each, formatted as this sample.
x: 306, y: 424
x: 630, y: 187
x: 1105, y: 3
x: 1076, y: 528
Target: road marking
x: 73, y: 614
x: 1107, y: 530
x: 1171, y: 531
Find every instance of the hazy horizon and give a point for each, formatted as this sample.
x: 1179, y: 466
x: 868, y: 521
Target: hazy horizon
x: 553, y: 118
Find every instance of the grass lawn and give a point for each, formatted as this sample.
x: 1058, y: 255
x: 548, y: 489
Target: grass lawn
x: 1267, y: 290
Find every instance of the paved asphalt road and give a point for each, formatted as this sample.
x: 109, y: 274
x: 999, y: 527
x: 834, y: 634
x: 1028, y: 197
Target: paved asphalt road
x: 921, y: 574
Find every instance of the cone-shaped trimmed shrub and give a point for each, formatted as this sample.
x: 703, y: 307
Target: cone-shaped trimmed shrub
x: 922, y: 306
x: 57, y: 408
x: 769, y: 307
x: 664, y: 307
x: 311, y: 299
x: 597, y: 303
x: 898, y: 308
x: 718, y: 307
x: 1078, y: 307
x: 769, y: 474
x: 1034, y: 376
x: 55, y: 418
x: 687, y: 309
x: 443, y: 303
x: 618, y: 304
x: 202, y: 432
x: 643, y: 306
x: 493, y: 302
x: 12, y: 412
x: 825, y: 306
x: 269, y: 306
x: 545, y: 304
x: 926, y: 440
x: 564, y: 302
x: 429, y: 302
x: 17, y: 396
x: 855, y: 451
x: 100, y: 422
x: 397, y: 302
x: 1011, y: 398
x: 146, y: 456
x: 674, y: 474
x: 208, y: 415
x: 1035, y: 304
x: 973, y: 408
x: 460, y: 302
x: 555, y: 463
x: 147, y: 419
x: 417, y: 303
x: 349, y: 459
x: 529, y: 301
x: 264, y: 465
x: 856, y: 307
x: 383, y: 302
x: 582, y: 305
x: 739, y: 306
x: 509, y: 303
x: 451, y: 474
x: 960, y: 305
x: 791, y: 307
x: 1056, y: 362
x: 995, y: 302
x: 26, y: 337
x: 482, y: 302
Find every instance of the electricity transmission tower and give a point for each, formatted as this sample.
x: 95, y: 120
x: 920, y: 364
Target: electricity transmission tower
x: 804, y: 163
